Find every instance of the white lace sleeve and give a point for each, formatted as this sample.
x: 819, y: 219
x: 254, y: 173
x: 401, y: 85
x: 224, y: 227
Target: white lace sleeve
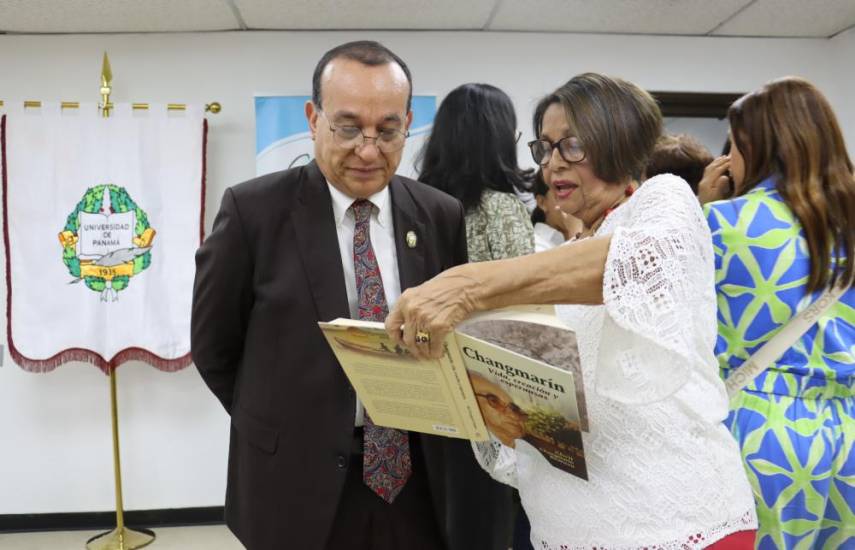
x: 658, y: 293
x: 498, y: 460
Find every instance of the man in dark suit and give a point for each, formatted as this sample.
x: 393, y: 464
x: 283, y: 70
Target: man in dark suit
x: 289, y: 249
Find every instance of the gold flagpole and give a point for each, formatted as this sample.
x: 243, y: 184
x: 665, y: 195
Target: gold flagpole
x: 106, y: 107
x: 120, y: 538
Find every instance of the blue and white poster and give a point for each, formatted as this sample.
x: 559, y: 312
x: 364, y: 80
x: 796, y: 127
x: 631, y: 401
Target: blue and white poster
x: 282, y: 137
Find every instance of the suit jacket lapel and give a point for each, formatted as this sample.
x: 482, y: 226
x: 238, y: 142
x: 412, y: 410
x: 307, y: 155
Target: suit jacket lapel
x: 317, y: 240
x: 405, y: 216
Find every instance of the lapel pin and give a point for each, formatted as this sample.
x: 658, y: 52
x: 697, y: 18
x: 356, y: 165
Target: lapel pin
x: 411, y: 239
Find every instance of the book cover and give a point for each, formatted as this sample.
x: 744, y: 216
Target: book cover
x: 538, y: 335
x: 521, y: 397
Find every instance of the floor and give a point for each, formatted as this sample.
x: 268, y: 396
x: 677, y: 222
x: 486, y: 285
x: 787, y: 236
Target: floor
x: 208, y: 537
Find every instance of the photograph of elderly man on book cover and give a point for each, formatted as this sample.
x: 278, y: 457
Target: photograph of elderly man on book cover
x: 529, y: 388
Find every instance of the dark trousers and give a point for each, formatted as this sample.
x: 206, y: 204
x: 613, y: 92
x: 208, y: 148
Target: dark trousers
x: 364, y: 521
x: 522, y: 528
x: 482, y: 515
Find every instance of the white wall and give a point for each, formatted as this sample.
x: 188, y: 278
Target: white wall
x: 710, y: 132
x: 54, y: 428
x: 842, y: 90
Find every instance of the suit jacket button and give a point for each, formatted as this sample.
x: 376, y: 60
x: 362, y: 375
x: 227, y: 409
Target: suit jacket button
x: 341, y: 461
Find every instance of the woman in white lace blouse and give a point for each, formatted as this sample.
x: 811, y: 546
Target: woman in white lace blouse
x: 663, y: 470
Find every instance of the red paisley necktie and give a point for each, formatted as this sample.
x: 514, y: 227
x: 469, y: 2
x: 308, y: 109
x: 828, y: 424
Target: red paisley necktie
x: 386, y: 462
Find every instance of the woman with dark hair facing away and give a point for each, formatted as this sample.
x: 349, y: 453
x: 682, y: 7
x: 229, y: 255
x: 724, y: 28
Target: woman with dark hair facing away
x: 681, y: 155
x: 472, y: 155
x: 787, y: 236
x: 637, y: 289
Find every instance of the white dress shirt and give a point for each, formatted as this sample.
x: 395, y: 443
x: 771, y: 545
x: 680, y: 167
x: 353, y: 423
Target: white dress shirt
x: 382, y: 234
x: 546, y: 237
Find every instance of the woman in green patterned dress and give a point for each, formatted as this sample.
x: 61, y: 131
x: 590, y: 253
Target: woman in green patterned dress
x: 788, y: 235
x: 472, y: 155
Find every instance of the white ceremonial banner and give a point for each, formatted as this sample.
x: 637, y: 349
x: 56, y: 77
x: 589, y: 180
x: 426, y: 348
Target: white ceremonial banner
x: 102, y: 217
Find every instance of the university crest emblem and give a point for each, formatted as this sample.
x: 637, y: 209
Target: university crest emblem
x: 106, y: 240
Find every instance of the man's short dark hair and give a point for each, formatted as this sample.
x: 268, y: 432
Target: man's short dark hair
x: 367, y: 52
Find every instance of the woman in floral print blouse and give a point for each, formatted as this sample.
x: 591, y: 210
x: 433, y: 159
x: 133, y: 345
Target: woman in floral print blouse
x: 472, y: 155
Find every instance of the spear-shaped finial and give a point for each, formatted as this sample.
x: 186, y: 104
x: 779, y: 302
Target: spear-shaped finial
x: 106, y: 88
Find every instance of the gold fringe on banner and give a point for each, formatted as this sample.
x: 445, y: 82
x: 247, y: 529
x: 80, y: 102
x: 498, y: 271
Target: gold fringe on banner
x: 214, y: 107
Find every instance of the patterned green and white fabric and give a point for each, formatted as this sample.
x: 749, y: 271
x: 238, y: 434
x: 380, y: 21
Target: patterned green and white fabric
x: 499, y: 227
x: 795, y: 423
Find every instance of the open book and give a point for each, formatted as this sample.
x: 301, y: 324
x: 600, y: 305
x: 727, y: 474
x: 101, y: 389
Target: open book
x: 510, y: 374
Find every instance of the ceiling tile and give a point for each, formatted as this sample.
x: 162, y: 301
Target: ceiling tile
x: 374, y: 14
x: 78, y: 16
x: 615, y: 16
x: 815, y: 18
